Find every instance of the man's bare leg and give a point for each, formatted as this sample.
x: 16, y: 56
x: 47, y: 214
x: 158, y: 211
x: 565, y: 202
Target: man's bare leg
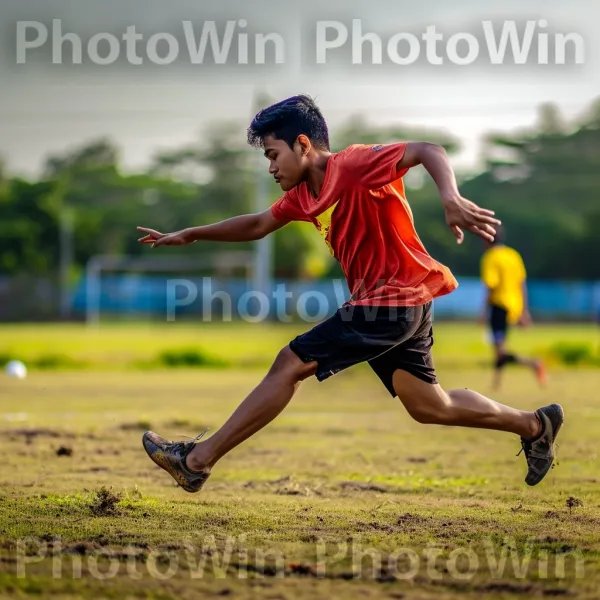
x: 498, y: 366
x: 263, y: 404
x: 428, y: 403
x: 497, y: 379
x: 503, y: 358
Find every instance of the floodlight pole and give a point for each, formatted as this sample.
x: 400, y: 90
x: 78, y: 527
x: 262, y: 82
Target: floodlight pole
x: 66, y: 261
x: 263, y: 250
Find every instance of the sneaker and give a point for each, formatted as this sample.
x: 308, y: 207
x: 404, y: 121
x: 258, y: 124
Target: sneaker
x: 171, y: 457
x: 539, y: 451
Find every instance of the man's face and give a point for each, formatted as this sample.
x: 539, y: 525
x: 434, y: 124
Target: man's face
x: 286, y: 165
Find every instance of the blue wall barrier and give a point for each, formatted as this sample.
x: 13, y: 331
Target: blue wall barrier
x: 202, y: 298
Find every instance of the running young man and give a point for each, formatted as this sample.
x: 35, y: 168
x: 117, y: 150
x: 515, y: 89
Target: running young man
x: 356, y: 199
x: 505, y: 278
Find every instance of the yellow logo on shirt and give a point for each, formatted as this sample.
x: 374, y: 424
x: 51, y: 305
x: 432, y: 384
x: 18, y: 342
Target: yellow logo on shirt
x: 324, y: 224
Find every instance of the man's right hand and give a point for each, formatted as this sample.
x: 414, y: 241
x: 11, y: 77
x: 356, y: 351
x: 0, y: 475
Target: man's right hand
x: 162, y: 239
x: 464, y: 214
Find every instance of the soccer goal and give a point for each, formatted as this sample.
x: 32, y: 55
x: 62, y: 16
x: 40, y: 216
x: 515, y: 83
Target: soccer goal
x: 220, y: 265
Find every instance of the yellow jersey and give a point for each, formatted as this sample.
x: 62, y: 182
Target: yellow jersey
x: 503, y: 273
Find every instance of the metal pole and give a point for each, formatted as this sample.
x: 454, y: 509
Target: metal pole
x: 66, y: 261
x: 262, y: 279
x: 93, y: 272
x: 262, y: 270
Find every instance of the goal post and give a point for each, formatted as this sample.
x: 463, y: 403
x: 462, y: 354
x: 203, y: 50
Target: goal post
x: 99, y: 264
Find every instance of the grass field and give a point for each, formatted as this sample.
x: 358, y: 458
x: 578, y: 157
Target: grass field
x: 125, y: 346
x: 343, y: 496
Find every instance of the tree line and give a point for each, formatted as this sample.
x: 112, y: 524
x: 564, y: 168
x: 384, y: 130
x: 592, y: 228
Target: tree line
x: 544, y: 184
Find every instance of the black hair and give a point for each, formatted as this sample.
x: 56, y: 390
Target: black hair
x: 500, y: 235
x: 288, y: 119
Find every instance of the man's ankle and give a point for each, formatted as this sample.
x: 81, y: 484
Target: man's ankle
x: 196, y: 463
x: 537, y: 429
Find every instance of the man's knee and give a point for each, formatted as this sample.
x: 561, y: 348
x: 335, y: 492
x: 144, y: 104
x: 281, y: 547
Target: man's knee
x: 428, y: 415
x: 504, y: 359
x: 425, y: 403
x: 288, y: 363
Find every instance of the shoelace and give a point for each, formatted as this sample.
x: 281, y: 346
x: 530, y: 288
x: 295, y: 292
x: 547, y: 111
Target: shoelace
x: 182, y: 445
x: 525, y: 447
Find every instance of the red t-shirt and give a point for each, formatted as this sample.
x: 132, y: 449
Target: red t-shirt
x: 368, y: 226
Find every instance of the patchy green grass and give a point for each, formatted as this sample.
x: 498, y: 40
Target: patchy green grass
x: 343, y: 496
x: 118, y: 346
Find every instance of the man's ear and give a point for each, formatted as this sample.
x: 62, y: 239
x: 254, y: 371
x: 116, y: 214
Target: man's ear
x: 303, y: 144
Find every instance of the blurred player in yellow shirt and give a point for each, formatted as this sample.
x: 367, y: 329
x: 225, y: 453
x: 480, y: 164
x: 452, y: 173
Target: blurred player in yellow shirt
x: 504, y: 275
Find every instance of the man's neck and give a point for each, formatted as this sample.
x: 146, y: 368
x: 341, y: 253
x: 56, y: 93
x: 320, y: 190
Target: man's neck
x: 316, y: 173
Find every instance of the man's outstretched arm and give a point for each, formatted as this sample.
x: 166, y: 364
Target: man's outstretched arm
x: 460, y: 212
x: 243, y: 228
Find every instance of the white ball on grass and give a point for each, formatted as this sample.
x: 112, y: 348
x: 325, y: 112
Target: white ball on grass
x: 17, y: 369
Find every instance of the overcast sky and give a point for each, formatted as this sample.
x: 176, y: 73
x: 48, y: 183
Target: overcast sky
x: 48, y: 107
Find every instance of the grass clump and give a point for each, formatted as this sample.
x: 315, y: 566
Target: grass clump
x: 106, y: 503
x: 575, y: 354
x: 189, y: 357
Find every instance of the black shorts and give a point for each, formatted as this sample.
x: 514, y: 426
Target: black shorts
x: 498, y: 323
x: 388, y: 338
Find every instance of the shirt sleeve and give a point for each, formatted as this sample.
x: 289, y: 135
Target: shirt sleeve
x: 490, y: 274
x: 288, y: 208
x: 373, y: 166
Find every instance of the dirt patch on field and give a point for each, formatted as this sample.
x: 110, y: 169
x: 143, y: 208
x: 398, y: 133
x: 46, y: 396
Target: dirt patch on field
x: 107, y: 451
x: 193, y: 425
x: 137, y: 426
x: 83, y: 548
x: 31, y: 434
x: 572, y: 502
x: 385, y: 527
x: 410, y: 519
x: 357, y: 486
x: 106, y: 503
x: 39, y: 432
x: 505, y: 587
x: 405, y: 522
x: 285, y: 486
